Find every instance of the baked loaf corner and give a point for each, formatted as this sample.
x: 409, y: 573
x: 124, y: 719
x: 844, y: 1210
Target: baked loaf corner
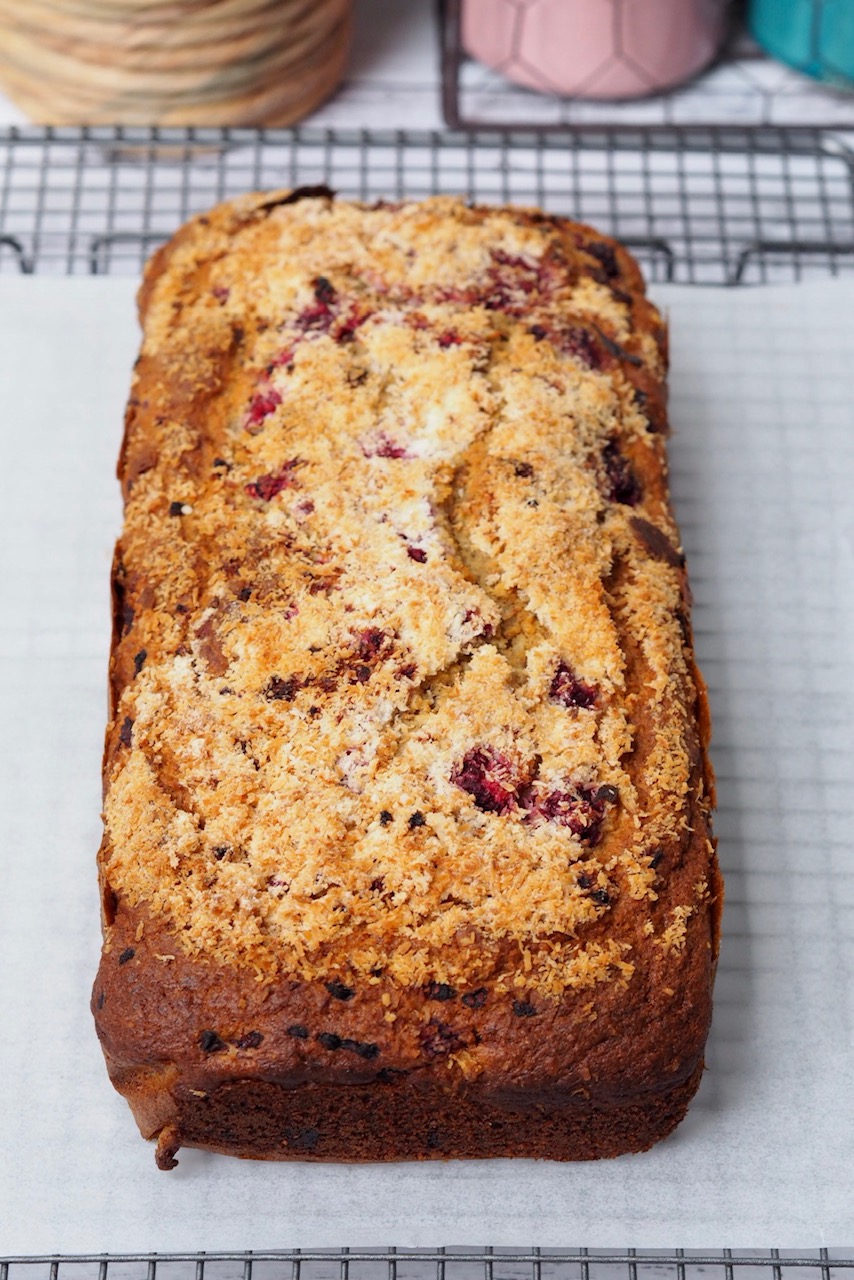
x: 407, y: 848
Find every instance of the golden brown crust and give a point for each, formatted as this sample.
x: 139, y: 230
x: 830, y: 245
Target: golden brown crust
x: 408, y: 748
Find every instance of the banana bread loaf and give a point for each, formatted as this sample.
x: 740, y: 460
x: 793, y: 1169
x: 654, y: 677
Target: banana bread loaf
x: 407, y: 847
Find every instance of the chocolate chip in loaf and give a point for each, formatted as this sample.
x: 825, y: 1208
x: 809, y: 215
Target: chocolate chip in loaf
x: 139, y: 660
x: 438, y: 1039
x: 244, y: 594
x: 101, y: 1000
x: 210, y: 1042
x: 385, y: 817
x: 365, y: 1049
x: 329, y: 1040
x: 298, y: 1031
x: 126, y: 732
x: 222, y: 463
x: 220, y: 851
x: 523, y: 470
x: 127, y: 954
x: 524, y: 1009
x: 416, y: 819
x: 439, y: 991
x: 606, y: 794
x: 282, y: 690
x: 598, y: 895
x: 324, y: 290
x: 621, y: 484
x: 302, y: 1139
x: 475, y: 999
x: 657, y: 542
x: 339, y: 991
x: 176, y: 508
x: 252, y: 1040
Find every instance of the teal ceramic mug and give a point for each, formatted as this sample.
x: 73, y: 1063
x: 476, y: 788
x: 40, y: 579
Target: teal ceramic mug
x: 813, y: 36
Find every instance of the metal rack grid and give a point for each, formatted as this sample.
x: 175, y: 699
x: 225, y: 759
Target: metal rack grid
x: 715, y: 206
x: 440, y: 1264
x: 743, y: 85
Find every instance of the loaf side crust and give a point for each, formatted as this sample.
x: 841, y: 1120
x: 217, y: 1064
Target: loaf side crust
x: 406, y: 783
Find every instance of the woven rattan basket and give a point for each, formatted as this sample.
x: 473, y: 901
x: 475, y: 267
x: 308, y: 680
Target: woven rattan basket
x: 177, y: 62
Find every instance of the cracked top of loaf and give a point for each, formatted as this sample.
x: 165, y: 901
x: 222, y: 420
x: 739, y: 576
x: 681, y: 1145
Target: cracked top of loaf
x: 403, y: 686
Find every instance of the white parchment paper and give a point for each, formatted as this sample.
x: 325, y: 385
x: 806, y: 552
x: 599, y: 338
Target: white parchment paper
x: 763, y: 475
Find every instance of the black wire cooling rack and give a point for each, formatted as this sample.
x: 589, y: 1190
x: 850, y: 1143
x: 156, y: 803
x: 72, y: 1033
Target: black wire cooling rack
x: 697, y: 205
x: 717, y: 206
x: 440, y: 1264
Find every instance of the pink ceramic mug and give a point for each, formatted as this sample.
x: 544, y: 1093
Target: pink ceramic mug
x: 595, y: 48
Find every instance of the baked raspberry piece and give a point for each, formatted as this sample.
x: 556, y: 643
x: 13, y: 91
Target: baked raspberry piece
x: 575, y: 805
x: 569, y: 691
x: 575, y: 340
x: 268, y: 486
x: 382, y: 446
x: 264, y: 402
x: 490, y: 778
